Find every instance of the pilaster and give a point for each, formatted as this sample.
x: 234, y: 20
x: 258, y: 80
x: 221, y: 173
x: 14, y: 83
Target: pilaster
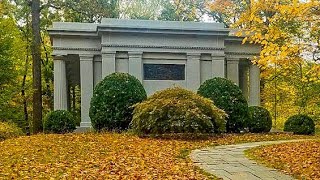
x: 193, y: 71
x: 97, y: 69
x: 136, y: 65
x: 233, y: 70
x: 60, y: 83
x: 254, y: 87
x: 86, y: 80
x: 218, y: 65
x: 108, y: 63
x: 244, y: 81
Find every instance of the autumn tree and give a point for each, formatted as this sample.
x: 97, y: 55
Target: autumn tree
x: 141, y: 9
x: 36, y: 67
x: 30, y: 33
x: 288, y: 33
x: 183, y: 10
x: 227, y: 11
x: 83, y: 10
x: 11, y: 60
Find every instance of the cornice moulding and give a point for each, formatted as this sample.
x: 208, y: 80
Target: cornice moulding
x: 162, y: 47
x: 76, y: 49
x: 242, y: 53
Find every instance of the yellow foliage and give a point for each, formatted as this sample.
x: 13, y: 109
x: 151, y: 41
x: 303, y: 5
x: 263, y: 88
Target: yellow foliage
x: 278, y: 28
x: 108, y: 156
x: 9, y: 130
x: 285, y: 30
x: 301, y: 159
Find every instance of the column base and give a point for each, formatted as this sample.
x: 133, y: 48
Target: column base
x: 81, y: 129
x: 86, y: 124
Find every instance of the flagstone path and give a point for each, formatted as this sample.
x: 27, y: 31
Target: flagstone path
x: 229, y: 162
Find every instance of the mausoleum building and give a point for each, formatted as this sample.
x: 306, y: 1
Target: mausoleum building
x: 160, y: 54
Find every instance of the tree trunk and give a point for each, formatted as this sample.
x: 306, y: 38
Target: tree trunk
x: 23, y: 94
x: 36, y: 69
x: 47, y: 78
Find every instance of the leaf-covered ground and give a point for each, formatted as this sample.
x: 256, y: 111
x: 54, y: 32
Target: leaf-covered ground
x: 107, y: 156
x: 300, y: 159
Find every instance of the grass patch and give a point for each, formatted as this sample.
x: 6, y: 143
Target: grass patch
x: 208, y: 175
x: 184, y: 153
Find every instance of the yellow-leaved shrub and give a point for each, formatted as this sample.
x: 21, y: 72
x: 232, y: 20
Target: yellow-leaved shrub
x: 9, y: 130
x: 176, y: 110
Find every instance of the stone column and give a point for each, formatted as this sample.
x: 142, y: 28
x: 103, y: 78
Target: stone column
x: 254, y: 80
x: 233, y: 70
x: 86, y: 84
x: 135, y: 65
x: 108, y: 63
x: 218, y: 68
x: 97, y: 69
x: 244, y: 81
x: 60, y: 83
x: 193, y: 71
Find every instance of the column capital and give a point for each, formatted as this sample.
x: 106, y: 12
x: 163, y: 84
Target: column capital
x: 135, y: 54
x: 217, y: 58
x: 218, y: 54
x: 256, y: 66
x: 59, y: 57
x: 86, y: 57
x: 253, y: 63
x: 233, y: 60
x: 195, y: 55
x: 108, y: 52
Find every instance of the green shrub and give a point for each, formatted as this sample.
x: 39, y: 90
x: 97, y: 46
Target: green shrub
x: 227, y: 96
x: 176, y: 110
x: 300, y: 124
x: 60, y: 122
x: 260, y: 120
x: 9, y: 130
x: 111, y: 104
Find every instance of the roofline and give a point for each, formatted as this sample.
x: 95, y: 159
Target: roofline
x: 138, y: 26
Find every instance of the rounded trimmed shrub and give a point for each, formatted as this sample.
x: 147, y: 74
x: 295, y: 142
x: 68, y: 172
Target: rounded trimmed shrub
x: 227, y: 96
x: 60, y: 122
x: 111, y: 104
x: 176, y: 110
x: 260, y: 120
x: 300, y: 124
x: 9, y: 130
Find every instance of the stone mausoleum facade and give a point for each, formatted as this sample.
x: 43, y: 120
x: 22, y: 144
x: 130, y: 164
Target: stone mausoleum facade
x: 160, y: 54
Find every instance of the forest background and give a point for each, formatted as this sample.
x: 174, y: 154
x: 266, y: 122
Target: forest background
x: 288, y: 31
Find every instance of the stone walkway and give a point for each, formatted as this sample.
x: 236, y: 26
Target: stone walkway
x: 229, y: 162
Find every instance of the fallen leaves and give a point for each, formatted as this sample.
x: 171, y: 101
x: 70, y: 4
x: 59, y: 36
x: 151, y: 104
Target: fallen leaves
x: 108, y: 156
x: 301, y: 159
